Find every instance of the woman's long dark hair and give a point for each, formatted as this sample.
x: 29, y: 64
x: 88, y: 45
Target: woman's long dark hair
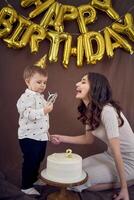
x: 100, y: 95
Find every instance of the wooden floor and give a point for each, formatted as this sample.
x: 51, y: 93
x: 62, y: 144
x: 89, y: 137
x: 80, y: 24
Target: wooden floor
x: 11, y: 192
x: 85, y: 195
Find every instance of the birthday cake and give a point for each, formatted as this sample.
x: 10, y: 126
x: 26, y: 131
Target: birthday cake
x: 64, y: 168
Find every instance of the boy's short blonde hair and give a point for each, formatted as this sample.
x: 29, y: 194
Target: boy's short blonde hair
x: 31, y: 70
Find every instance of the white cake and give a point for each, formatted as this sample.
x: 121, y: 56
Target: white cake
x: 63, y: 167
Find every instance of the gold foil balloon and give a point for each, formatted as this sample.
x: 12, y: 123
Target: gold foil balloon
x: 106, y: 6
x: 127, y: 28
x: 73, y: 51
x: 93, y: 57
x: 68, y: 51
x: 41, y: 8
x: 70, y: 12
x: 86, y: 15
x: 7, y: 17
x: 37, y: 34
x: 66, y: 12
x: 120, y: 42
x: 52, y: 21
x: 15, y: 40
x: 55, y: 39
x: 80, y: 51
x: 27, y: 3
x: 48, y: 17
x: 33, y: 35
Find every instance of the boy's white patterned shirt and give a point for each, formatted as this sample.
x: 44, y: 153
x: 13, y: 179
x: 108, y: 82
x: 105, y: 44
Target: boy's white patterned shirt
x: 33, y: 123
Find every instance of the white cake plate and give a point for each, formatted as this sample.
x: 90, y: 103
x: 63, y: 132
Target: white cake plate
x: 73, y: 181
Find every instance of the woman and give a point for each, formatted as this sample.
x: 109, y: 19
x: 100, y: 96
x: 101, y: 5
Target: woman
x: 103, y: 119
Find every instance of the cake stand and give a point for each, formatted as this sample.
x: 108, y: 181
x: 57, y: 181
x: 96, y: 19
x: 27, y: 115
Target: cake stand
x: 63, y: 193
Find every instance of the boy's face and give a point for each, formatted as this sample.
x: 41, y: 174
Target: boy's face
x: 37, y: 82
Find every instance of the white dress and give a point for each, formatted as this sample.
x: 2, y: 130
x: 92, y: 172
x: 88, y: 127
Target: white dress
x: 101, y: 167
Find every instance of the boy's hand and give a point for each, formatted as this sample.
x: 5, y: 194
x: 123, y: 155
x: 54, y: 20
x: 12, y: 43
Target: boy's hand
x: 55, y: 139
x: 48, y: 108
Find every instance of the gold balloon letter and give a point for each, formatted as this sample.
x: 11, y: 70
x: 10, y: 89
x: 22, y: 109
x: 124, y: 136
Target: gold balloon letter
x: 80, y: 51
x: 120, y: 42
x: 82, y: 19
x: 27, y: 3
x: 66, y: 12
x: 55, y: 39
x: 106, y: 6
x: 41, y: 8
x: 68, y: 51
x: 91, y: 56
x: 15, y: 39
x: 48, y: 17
x: 38, y: 34
x: 7, y: 17
x: 127, y: 28
x: 34, y: 34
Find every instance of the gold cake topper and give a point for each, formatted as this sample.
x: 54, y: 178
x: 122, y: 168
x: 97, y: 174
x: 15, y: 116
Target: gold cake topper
x: 69, y: 153
x: 42, y: 62
x: 52, y: 97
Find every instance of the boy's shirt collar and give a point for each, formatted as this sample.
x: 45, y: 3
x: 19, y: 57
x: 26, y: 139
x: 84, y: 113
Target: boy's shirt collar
x: 32, y: 92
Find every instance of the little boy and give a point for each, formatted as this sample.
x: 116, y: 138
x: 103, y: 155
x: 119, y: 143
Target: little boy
x: 33, y: 125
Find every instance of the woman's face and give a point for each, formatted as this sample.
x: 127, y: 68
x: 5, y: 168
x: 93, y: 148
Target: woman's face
x: 82, y: 89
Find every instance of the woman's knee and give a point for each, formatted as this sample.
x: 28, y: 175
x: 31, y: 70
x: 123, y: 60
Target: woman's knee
x: 100, y: 187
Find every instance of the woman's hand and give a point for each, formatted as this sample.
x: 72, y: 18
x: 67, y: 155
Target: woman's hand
x: 123, y: 195
x: 56, y: 139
